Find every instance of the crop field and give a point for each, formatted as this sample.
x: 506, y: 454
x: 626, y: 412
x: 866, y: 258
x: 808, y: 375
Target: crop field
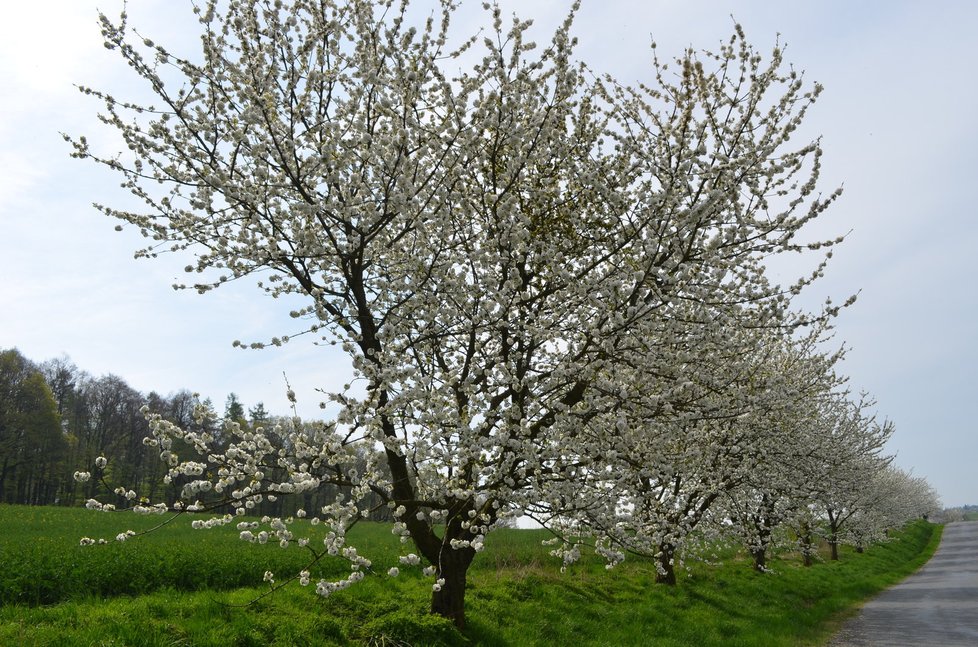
x: 179, y: 586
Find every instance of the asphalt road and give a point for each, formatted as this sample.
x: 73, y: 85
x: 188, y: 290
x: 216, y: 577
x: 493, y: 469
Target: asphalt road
x: 937, y: 605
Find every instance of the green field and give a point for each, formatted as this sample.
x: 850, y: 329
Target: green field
x: 180, y: 586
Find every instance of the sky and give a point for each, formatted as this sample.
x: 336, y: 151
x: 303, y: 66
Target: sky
x: 897, y: 121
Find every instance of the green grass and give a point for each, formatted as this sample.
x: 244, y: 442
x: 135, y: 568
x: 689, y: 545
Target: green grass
x: 187, y: 587
x: 45, y: 564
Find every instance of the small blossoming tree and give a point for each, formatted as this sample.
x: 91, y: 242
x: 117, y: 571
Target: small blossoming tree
x: 490, y: 246
x: 892, y: 498
x: 849, y: 458
x: 777, y: 491
x: 675, y: 468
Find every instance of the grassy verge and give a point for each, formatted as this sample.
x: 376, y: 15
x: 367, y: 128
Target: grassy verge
x: 516, y: 597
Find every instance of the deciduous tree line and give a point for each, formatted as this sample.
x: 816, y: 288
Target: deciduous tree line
x: 56, y: 418
x: 553, y: 285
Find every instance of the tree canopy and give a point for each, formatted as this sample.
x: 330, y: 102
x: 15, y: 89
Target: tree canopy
x: 31, y: 441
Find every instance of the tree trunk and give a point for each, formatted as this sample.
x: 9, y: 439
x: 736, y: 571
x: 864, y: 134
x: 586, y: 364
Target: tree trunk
x: 3, y: 480
x: 834, y: 536
x: 666, y: 571
x: 449, y: 601
x: 451, y: 564
x: 805, y: 535
x: 760, y: 559
x: 759, y: 550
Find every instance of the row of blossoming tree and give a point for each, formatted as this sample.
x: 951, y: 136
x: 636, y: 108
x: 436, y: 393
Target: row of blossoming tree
x: 553, y: 285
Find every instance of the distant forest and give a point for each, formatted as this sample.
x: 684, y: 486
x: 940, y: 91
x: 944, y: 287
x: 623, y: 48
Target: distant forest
x: 56, y: 419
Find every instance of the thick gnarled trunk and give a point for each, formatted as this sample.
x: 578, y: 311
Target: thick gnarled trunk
x: 807, y: 547
x: 449, y: 600
x: 760, y: 559
x: 666, y: 568
x: 452, y: 564
x: 759, y: 550
x: 833, y: 538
